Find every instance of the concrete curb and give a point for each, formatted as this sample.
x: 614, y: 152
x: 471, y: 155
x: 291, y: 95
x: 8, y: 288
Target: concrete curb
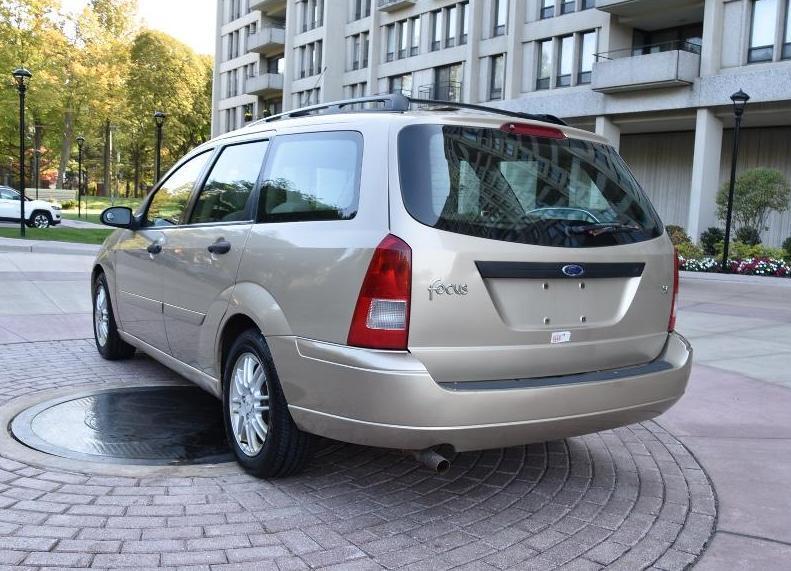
x: 47, y: 247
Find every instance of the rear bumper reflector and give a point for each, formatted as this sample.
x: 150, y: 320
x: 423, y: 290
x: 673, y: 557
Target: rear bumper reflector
x: 543, y: 271
x: 596, y: 376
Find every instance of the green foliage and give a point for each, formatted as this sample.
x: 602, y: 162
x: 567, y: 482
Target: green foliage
x: 748, y: 235
x: 68, y: 204
x: 757, y: 193
x: 741, y: 251
x: 95, y: 66
x: 677, y: 234
x: 688, y: 250
x: 787, y: 248
x: 709, y: 239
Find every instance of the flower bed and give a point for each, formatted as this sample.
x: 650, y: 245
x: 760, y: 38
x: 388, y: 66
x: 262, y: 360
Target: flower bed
x: 748, y: 267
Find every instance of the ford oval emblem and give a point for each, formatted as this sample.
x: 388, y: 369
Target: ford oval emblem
x: 573, y: 270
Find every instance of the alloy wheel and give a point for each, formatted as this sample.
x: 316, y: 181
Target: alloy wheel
x: 40, y: 221
x: 249, y: 404
x: 101, y: 316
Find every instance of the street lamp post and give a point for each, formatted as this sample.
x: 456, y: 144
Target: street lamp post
x: 740, y: 99
x: 80, y: 143
x: 22, y: 77
x: 159, y: 119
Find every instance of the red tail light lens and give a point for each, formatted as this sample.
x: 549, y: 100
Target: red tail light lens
x: 671, y: 325
x: 381, y: 317
x: 533, y: 130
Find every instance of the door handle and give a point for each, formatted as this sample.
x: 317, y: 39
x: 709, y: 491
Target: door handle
x: 154, y: 248
x: 221, y: 246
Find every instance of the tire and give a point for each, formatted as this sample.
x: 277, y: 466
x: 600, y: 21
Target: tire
x: 40, y: 219
x: 284, y: 449
x: 105, y: 331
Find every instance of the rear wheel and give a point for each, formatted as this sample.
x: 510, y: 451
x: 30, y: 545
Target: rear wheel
x: 259, y: 427
x: 105, y: 331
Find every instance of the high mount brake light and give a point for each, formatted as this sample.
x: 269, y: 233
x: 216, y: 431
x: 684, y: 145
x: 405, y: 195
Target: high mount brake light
x: 533, y: 130
x: 381, y: 316
x: 671, y: 324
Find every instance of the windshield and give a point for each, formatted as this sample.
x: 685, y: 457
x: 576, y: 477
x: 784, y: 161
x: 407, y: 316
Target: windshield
x: 521, y: 188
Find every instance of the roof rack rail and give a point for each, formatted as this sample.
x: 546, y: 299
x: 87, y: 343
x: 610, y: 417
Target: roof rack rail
x: 399, y: 103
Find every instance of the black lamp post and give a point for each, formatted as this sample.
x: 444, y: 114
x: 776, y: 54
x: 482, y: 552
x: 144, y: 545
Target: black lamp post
x: 80, y: 143
x: 22, y: 77
x: 740, y: 99
x: 159, y: 119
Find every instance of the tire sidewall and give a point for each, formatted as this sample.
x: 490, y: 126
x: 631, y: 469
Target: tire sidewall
x: 250, y: 342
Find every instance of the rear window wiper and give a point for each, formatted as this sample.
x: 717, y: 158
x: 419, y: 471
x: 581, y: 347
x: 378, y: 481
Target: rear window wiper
x: 604, y: 228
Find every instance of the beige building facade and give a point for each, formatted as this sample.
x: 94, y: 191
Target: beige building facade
x: 653, y: 76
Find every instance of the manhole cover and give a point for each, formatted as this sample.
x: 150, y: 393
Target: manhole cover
x: 134, y: 425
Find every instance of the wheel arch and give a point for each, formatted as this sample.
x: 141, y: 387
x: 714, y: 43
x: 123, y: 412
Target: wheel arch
x: 230, y: 331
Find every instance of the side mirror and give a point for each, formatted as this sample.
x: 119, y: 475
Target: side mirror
x: 119, y: 217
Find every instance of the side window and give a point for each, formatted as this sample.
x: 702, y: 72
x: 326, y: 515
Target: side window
x: 227, y: 194
x: 168, y: 204
x: 313, y: 176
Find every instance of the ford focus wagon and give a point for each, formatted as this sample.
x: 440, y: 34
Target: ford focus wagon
x: 390, y: 274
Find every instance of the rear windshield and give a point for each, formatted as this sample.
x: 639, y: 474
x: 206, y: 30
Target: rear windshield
x: 521, y: 188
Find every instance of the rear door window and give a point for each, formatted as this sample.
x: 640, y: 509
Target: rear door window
x: 521, y: 188
x: 227, y: 194
x: 314, y: 176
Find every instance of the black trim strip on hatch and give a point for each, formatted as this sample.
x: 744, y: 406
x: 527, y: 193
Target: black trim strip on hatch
x: 543, y: 271
x: 657, y: 366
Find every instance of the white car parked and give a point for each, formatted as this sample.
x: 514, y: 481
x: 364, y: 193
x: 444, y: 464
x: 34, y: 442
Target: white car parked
x: 38, y: 213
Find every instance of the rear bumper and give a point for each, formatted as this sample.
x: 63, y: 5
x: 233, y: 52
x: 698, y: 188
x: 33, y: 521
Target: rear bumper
x: 381, y: 398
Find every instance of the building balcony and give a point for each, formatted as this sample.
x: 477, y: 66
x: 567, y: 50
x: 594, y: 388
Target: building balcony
x: 674, y: 64
x: 393, y: 5
x: 635, y: 7
x: 267, y: 41
x: 265, y: 85
x: 269, y: 7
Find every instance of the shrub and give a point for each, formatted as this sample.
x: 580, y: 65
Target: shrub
x: 757, y: 192
x: 748, y: 235
x: 787, y: 248
x: 709, y: 239
x: 689, y: 250
x: 68, y: 204
x: 742, y: 251
x: 677, y: 235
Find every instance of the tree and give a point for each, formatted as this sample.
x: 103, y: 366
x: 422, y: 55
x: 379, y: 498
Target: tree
x: 758, y: 192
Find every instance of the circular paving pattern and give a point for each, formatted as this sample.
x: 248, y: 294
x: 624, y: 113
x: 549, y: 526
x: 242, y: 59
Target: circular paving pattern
x: 134, y: 425
x: 629, y: 498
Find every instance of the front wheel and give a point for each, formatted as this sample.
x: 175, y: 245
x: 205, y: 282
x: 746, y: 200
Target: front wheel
x: 259, y: 427
x: 105, y: 330
x: 40, y: 220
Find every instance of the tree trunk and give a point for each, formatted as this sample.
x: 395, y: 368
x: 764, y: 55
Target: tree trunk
x: 65, y: 151
x: 137, y: 172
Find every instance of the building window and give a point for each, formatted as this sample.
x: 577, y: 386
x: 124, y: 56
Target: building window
x: 787, y: 40
x: 544, y: 64
x: 567, y: 6
x: 497, y: 79
x: 450, y: 27
x: 390, y: 40
x: 464, y: 14
x: 362, y: 9
x: 447, y: 82
x: 436, y: 30
x: 366, y: 48
x: 547, y: 9
x: 356, y: 48
x: 587, y: 4
x: 565, y: 61
x: 587, y: 56
x: 276, y: 64
x: 403, y: 38
x: 762, y: 36
x: 500, y: 17
x: 414, y: 47
x: 401, y: 84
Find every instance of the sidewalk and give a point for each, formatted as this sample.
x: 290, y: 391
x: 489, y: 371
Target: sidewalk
x: 47, y: 247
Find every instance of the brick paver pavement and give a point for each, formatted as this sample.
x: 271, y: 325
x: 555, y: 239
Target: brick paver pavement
x: 625, y: 499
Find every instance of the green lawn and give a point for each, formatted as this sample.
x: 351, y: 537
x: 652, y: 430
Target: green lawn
x: 79, y: 235
x: 90, y: 217
x: 92, y: 206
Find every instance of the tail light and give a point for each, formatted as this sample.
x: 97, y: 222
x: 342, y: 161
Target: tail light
x: 381, y: 317
x: 671, y: 325
x: 533, y: 130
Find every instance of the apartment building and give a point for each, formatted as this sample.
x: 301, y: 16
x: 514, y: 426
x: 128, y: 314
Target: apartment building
x: 653, y: 76
x: 249, y: 62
